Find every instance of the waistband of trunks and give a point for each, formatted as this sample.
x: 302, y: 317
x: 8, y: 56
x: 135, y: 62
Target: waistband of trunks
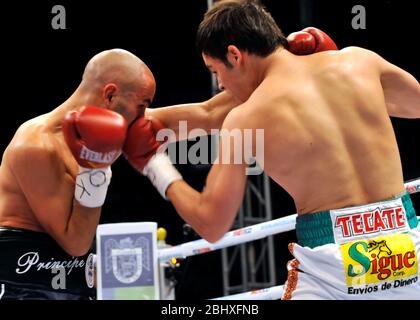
x: 35, y: 260
x: 316, y: 229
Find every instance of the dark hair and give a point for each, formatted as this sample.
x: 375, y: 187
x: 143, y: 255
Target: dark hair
x: 243, y: 23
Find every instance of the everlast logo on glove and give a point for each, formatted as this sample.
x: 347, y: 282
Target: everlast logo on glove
x: 99, y: 157
x: 95, y: 137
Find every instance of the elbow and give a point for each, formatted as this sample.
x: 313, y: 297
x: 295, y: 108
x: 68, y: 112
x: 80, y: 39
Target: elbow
x: 212, y: 228
x: 76, y: 250
x: 74, y: 244
x: 212, y: 238
x: 211, y: 232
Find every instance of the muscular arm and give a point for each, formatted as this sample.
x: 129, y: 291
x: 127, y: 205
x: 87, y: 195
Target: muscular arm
x: 205, y: 115
x: 49, y: 190
x: 211, y: 212
x: 401, y: 90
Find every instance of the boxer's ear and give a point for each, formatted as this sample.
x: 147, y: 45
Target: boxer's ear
x: 108, y: 92
x: 234, y: 55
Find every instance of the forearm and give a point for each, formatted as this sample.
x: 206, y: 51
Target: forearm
x: 73, y: 224
x: 79, y: 229
x: 401, y: 91
x: 200, y: 117
x: 193, y: 207
x: 404, y: 102
x: 82, y: 226
x: 182, y: 118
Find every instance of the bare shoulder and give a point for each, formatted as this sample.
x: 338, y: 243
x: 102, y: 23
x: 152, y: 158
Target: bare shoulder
x: 38, y: 167
x: 234, y: 118
x: 31, y: 147
x: 353, y: 50
x: 360, y: 55
x: 249, y: 114
x: 239, y: 117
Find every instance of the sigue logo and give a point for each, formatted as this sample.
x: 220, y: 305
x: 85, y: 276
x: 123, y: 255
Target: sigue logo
x: 379, y: 259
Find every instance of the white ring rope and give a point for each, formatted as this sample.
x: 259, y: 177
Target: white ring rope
x: 246, y: 234
x: 238, y: 236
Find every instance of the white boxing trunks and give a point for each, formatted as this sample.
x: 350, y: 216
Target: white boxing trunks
x: 364, y: 252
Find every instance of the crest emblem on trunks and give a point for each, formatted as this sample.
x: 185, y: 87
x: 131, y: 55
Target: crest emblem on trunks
x: 90, y: 270
x: 125, y: 258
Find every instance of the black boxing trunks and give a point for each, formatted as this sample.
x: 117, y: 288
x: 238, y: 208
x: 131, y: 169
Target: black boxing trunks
x: 34, y: 266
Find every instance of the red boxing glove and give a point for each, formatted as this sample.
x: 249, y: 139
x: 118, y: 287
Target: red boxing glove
x: 141, y: 143
x: 95, y: 137
x: 141, y: 150
x: 310, y: 40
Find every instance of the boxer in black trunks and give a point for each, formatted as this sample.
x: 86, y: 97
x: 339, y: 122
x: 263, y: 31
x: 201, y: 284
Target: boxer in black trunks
x: 54, y: 177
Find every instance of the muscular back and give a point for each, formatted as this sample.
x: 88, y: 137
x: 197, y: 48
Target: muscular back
x: 328, y: 137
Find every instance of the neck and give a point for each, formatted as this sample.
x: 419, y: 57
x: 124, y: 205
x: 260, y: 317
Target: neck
x: 279, y: 59
x: 262, y: 67
x: 78, y: 99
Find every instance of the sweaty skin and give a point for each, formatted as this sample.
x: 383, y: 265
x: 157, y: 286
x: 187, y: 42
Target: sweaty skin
x: 329, y: 141
x: 37, y: 173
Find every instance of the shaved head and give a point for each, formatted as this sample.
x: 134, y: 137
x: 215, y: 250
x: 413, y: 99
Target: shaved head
x: 116, y: 66
x: 118, y: 80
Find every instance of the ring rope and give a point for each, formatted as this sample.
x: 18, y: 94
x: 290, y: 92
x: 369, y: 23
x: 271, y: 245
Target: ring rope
x: 247, y: 234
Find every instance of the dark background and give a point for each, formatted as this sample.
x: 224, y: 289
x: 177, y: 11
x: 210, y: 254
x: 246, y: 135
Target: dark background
x: 41, y: 68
